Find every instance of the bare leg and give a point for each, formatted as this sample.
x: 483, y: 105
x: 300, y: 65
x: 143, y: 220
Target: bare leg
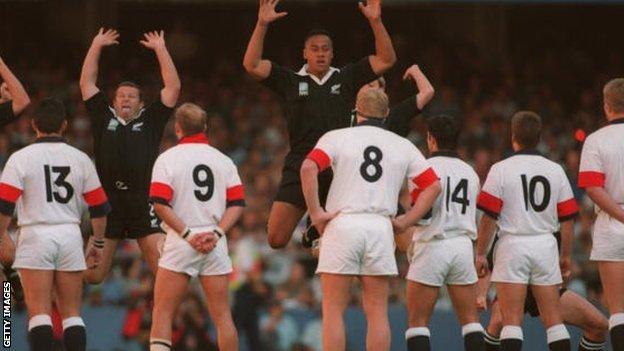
x: 98, y: 274
x: 149, y: 248
x: 216, y: 290
x: 335, y: 300
x: 169, y: 291
x: 283, y: 220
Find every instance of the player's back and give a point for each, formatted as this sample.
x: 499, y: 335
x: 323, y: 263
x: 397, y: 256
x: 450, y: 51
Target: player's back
x: 203, y: 182
x: 370, y: 165
x: 533, y: 192
x: 454, y: 211
x: 52, y: 176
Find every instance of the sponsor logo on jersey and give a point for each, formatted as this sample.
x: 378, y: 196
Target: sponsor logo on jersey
x: 335, y: 89
x: 137, y: 127
x: 303, y: 89
x: 112, y: 124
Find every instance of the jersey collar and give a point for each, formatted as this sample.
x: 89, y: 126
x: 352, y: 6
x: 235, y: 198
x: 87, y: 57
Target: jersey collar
x: 533, y: 152
x: 50, y: 139
x: 618, y: 120
x: 374, y: 122
x: 304, y: 72
x: 445, y: 153
x: 123, y: 121
x: 199, y: 138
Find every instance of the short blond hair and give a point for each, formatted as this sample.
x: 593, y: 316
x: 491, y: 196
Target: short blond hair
x: 614, y: 95
x: 372, y: 103
x: 191, y: 118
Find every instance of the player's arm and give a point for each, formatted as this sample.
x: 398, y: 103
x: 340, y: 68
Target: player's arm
x: 255, y: 66
x: 90, y: 66
x: 606, y: 203
x: 309, y: 183
x: 166, y: 214
x: 565, y: 254
x: 7, y: 247
x: 487, y: 227
x: 426, y: 198
x: 19, y: 97
x: 384, y: 57
x: 170, y: 92
x: 425, y: 89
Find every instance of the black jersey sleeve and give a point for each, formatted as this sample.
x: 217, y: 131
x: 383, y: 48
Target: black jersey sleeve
x: 158, y: 114
x: 401, y: 115
x: 6, y: 113
x: 359, y: 73
x: 280, y: 79
x: 98, y: 110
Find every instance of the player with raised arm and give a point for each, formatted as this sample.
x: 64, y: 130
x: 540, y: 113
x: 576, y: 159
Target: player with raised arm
x: 575, y: 310
x: 317, y: 98
x: 602, y: 175
x: 370, y: 166
x: 529, y: 197
x: 13, y: 96
x: 49, y: 182
x: 127, y: 138
x: 198, y: 194
x: 442, y: 252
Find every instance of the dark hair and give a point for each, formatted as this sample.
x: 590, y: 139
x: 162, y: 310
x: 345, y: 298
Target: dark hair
x: 445, y: 131
x: 128, y: 83
x: 49, y: 116
x: 526, y: 129
x: 315, y: 32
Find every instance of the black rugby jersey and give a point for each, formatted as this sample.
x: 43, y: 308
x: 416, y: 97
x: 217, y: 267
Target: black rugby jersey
x: 6, y: 113
x: 125, y: 154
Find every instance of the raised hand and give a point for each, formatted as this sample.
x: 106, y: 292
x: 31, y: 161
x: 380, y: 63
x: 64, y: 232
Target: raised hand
x: 267, y: 13
x: 106, y: 38
x: 411, y: 73
x: 372, y: 9
x: 154, y: 40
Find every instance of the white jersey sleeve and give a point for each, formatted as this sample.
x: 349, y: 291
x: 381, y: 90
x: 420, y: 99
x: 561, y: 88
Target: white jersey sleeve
x: 325, y: 151
x: 591, y: 170
x: 11, y: 186
x: 94, y: 194
x: 419, y: 172
x: 490, y: 199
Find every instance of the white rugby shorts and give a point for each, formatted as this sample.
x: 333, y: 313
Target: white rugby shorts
x: 179, y: 256
x: 358, y: 244
x: 527, y: 259
x: 608, y: 239
x: 50, y: 247
x: 443, y: 261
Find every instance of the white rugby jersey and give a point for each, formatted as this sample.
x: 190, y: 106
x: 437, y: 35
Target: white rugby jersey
x: 455, y: 211
x: 370, y: 166
x: 528, y: 194
x: 602, y: 161
x: 197, y: 181
x: 50, y: 181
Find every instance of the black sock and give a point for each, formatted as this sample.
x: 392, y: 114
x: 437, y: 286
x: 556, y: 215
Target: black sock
x: 511, y: 345
x: 40, y: 338
x: 418, y: 343
x: 75, y: 338
x: 492, y: 343
x: 587, y: 344
x: 617, y: 337
x: 474, y: 342
x: 560, y: 345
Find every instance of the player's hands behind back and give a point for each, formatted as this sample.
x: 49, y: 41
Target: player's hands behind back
x: 204, y: 242
x: 320, y: 220
x: 267, y: 13
x: 372, y: 9
x: 106, y: 38
x: 565, y: 266
x: 481, y: 265
x: 154, y: 40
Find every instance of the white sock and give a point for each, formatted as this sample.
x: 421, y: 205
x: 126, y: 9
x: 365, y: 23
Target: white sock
x: 615, y: 320
x: 421, y: 331
x: 73, y: 322
x: 556, y: 333
x: 160, y: 344
x: 472, y: 328
x: 38, y: 321
x: 511, y: 332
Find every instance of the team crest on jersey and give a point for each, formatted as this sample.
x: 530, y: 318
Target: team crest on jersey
x: 335, y: 89
x: 137, y: 127
x: 112, y: 124
x: 303, y: 89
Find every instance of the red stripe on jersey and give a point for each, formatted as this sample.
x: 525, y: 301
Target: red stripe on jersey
x: 320, y: 158
x: 95, y: 197
x: 235, y: 193
x: 490, y: 202
x: 161, y: 190
x: 587, y: 179
x: 426, y: 178
x: 9, y: 193
x: 567, y: 208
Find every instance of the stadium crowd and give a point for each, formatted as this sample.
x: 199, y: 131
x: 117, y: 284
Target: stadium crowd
x: 276, y: 296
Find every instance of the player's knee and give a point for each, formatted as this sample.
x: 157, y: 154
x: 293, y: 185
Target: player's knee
x: 598, y: 328
x: 277, y: 238
x: 93, y: 276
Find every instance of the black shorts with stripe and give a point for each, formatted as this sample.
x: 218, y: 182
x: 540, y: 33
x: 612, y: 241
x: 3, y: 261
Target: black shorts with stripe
x: 132, y: 216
